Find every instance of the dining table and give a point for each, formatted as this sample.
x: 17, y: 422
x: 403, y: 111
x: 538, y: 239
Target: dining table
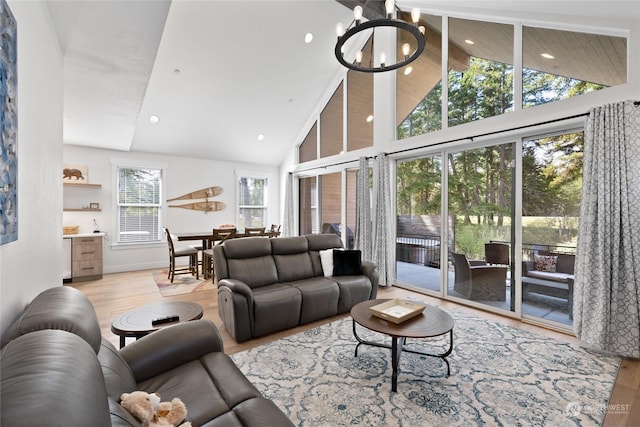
x: 207, y: 236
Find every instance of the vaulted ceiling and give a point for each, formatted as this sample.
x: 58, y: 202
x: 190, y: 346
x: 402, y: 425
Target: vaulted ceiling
x: 218, y: 74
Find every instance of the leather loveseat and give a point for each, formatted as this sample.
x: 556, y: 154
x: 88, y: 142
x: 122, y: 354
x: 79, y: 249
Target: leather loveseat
x: 267, y: 285
x: 57, y: 370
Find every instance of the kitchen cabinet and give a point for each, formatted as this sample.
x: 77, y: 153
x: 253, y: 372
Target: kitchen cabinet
x: 86, y: 257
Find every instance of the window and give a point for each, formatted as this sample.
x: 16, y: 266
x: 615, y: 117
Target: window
x: 252, y: 201
x: 138, y: 204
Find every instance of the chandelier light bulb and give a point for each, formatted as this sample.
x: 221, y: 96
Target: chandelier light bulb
x: 415, y: 15
x: 359, y: 57
x: 422, y: 29
x: 383, y: 59
x: 339, y: 29
x: 406, y: 48
x: 357, y: 14
x: 388, y: 7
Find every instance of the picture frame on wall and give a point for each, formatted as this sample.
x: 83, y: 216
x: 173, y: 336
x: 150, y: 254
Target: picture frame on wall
x: 8, y: 127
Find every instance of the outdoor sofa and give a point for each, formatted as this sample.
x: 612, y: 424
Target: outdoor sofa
x: 550, y: 274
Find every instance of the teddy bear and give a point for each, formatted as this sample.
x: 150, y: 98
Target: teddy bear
x: 151, y: 412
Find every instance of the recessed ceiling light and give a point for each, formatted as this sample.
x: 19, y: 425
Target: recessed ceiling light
x: 308, y: 37
x: 408, y: 70
x: 369, y: 118
x: 260, y: 137
x: 547, y: 55
x: 154, y: 119
x: 467, y: 41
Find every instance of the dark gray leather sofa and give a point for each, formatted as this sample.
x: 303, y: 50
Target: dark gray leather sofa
x: 57, y: 370
x: 267, y: 285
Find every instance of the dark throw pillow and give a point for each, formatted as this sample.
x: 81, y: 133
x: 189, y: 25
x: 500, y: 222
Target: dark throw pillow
x: 347, y: 263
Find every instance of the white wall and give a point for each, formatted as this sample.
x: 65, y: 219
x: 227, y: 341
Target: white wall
x: 33, y: 263
x: 183, y: 176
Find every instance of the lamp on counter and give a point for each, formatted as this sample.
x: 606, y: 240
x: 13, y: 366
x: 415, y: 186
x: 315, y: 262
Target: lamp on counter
x: 357, y: 26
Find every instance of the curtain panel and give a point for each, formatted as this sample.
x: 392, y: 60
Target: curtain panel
x: 383, y: 243
x: 288, y: 222
x: 364, y: 239
x: 607, y: 274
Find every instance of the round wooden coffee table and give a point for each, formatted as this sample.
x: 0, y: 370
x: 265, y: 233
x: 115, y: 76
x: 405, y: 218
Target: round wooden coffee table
x: 138, y: 322
x: 432, y: 322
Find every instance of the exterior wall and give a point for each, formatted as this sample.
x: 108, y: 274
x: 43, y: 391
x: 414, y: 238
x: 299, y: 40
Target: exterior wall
x: 33, y: 263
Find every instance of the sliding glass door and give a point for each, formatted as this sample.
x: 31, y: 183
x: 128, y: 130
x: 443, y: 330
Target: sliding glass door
x: 480, y: 203
x: 419, y: 223
x: 551, y: 188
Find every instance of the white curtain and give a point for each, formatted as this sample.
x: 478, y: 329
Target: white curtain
x: 288, y: 222
x: 364, y: 240
x: 383, y: 243
x: 607, y: 273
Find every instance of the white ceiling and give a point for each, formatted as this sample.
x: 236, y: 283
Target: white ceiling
x: 217, y: 73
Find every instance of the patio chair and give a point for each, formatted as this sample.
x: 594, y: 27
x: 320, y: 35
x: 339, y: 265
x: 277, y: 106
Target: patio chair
x: 479, y: 282
x: 496, y: 253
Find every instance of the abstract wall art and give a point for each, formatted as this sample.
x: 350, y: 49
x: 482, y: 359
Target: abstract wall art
x: 8, y: 126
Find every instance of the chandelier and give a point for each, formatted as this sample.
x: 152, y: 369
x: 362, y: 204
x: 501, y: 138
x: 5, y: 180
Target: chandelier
x: 357, y: 26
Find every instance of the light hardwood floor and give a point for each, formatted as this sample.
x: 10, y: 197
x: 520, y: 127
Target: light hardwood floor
x: 120, y: 292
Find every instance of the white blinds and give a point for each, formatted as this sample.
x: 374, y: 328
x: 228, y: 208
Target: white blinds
x: 139, y: 204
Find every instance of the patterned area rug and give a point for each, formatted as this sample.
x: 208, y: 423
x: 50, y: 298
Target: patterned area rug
x: 500, y: 375
x: 182, y: 283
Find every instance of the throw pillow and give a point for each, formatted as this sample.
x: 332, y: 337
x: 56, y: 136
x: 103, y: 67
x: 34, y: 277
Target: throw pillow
x: 326, y: 259
x: 545, y: 263
x: 347, y: 263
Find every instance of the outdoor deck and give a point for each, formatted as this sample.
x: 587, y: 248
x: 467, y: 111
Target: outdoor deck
x: 419, y: 276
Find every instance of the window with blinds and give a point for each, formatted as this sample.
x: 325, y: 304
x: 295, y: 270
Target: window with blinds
x: 139, y: 204
x: 252, y: 202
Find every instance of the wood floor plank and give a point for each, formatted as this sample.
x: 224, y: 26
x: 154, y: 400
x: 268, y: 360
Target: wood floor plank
x: 121, y: 292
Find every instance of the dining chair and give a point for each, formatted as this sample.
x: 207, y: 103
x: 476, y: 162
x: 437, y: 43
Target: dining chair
x: 219, y: 235
x: 275, y: 230
x: 254, y: 231
x: 174, y: 254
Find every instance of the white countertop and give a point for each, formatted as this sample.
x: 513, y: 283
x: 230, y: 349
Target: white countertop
x: 69, y: 236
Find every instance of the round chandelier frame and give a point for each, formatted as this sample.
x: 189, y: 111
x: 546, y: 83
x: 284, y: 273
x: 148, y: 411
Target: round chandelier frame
x: 414, y: 30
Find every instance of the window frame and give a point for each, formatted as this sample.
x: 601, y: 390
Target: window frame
x: 240, y: 174
x: 117, y: 165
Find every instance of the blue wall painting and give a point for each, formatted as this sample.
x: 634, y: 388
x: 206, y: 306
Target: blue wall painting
x: 8, y: 126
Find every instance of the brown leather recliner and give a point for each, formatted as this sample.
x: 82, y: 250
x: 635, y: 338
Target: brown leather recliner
x: 57, y: 370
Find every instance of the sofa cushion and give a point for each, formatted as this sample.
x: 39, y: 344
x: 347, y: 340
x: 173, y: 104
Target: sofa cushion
x: 255, y: 272
x: 347, y: 263
x: 53, y: 378
x: 566, y: 263
x: 293, y: 267
x: 546, y: 275
x: 118, y: 377
x: 62, y: 308
x: 353, y: 289
x: 326, y: 259
x: 225, y: 387
x: 319, y: 298
x: 545, y: 263
x: 275, y: 307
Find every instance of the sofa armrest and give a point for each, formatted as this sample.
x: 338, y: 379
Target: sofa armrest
x: 171, y: 347
x: 238, y: 287
x: 370, y: 270
x: 527, y: 266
